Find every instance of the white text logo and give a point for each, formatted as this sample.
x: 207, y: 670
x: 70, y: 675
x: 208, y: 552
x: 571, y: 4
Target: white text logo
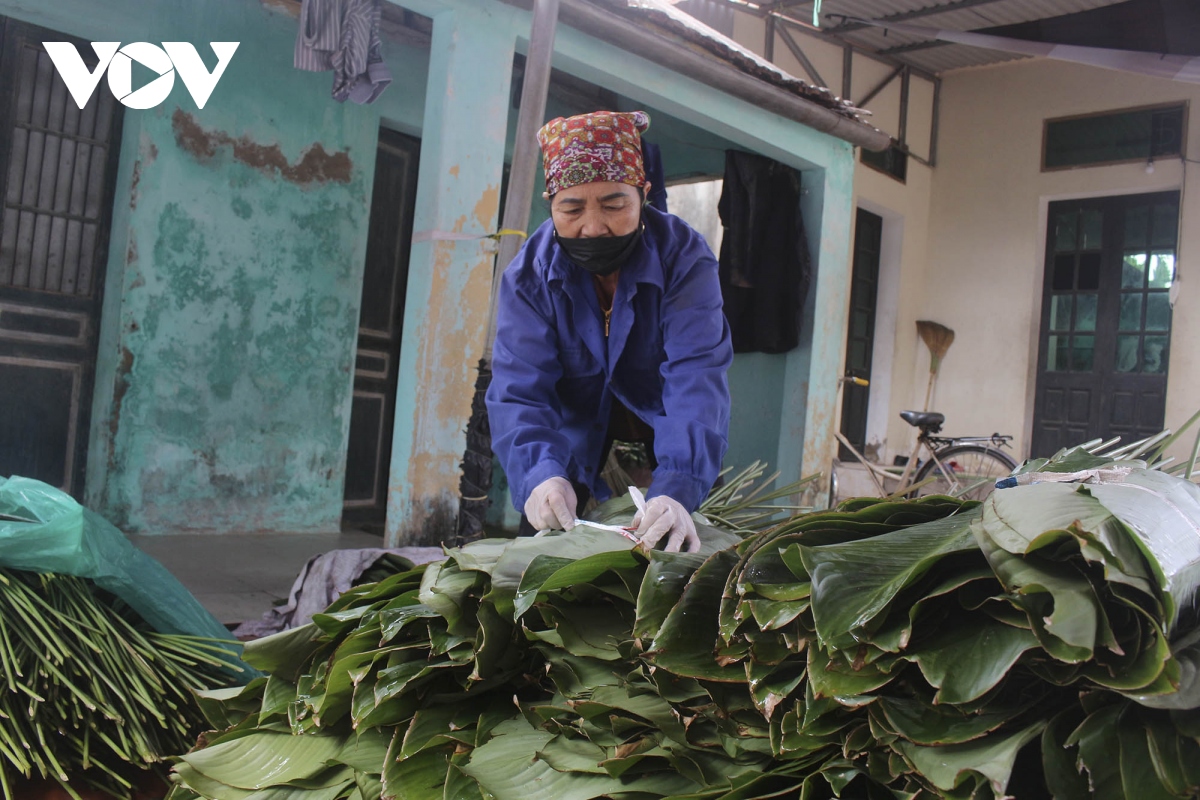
x: 172, y: 57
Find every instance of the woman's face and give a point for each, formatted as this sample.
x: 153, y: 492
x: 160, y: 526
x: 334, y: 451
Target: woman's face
x: 591, y: 210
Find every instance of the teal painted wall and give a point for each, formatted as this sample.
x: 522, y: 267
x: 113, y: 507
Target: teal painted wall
x: 234, y: 277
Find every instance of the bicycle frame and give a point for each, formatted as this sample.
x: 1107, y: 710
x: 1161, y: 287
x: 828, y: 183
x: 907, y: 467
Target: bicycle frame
x: 878, y: 473
x: 925, y: 440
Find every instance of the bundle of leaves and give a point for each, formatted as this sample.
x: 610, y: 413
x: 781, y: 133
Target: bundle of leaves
x: 1042, y: 643
x: 94, y: 696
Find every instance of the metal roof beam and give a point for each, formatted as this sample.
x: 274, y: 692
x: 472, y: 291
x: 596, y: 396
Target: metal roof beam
x: 820, y: 33
x: 915, y: 47
x: 881, y: 86
x: 790, y: 41
x: 916, y: 13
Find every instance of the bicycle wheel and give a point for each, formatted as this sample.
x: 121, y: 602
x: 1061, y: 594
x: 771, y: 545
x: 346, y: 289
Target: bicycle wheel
x: 969, y: 471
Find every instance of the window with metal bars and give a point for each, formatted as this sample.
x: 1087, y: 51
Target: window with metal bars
x: 53, y: 165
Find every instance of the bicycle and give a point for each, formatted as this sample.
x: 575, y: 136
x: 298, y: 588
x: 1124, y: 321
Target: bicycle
x: 962, y: 466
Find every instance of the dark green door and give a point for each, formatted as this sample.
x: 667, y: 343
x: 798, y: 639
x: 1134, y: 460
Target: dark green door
x: 57, y: 164
x: 385, y: 278
x: 1106, y: 320
x: 860, y: 335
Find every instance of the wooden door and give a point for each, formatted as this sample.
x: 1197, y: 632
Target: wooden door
x: 381, y: 321
x: 1106, y: 320
x: 57, y: 164
x: 860, y: 335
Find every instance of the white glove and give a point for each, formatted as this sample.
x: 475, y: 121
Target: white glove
x: 552, y: 505
x: 667, y: 517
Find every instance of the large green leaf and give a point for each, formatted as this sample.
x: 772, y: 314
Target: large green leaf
x: 971, y: 657
x: 896, y: 631
x: 547, y: 573
x: 594, y: 631
x: 1164, y: 512
x: 1138, y: 775
x: 419, y: 777
x: 1062, y: 605
x: 687, y: 640
x: 991, y: 757
x: 1186, y: 652
x: 444, y: 589
x: 1176, y: 757
x: 922, y: 722
x: 510, y: 567
x: 853, y: 583
x: 645, y: 705
x: 206, y: 787
x: 1063, y: 776
x: 508, y: 769
x: 1100, y: 752
x: 666, y: 575
x: 263, y: 759
x: 1017, y: 521
x: 283, y: 653
x: 830, y: 676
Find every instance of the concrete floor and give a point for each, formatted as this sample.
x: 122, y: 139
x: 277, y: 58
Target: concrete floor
x: 238, y: 577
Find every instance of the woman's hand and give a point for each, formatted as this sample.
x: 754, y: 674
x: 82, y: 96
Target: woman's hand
x: 552, y: 505
x: 666, y: 517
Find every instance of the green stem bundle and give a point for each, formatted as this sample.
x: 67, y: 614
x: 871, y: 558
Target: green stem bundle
x: 93, y: 696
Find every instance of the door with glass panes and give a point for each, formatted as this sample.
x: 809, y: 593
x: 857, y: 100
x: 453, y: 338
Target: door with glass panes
x: 1106, y: 320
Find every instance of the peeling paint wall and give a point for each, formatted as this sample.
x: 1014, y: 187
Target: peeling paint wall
x: 234, y: 278
x: 445, y: 321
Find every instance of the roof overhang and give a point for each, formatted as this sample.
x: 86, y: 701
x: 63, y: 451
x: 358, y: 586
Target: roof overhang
x: 603, y: 24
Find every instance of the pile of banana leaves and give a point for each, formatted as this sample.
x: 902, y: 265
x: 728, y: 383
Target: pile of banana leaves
x: 92, y: 696
x: 1042, y: 643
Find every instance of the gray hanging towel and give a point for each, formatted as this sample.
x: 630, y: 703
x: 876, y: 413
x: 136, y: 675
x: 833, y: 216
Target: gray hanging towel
x: 343, y: 36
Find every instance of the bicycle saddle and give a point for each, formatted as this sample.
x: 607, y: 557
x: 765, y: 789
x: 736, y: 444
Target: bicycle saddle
x: 923, y: 419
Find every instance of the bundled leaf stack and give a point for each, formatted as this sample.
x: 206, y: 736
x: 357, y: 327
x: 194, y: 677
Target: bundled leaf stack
x: 93, y: 696
x: 1043, y: 643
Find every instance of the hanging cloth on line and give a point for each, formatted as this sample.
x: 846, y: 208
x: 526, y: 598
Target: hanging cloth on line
x: 765, y: 267
x: 343, y: 36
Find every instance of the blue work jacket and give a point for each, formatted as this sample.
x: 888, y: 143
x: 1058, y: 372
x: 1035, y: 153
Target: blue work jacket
x: 554, y: 373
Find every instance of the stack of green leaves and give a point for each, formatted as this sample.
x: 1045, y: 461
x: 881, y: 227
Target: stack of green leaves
x: 1042, y: 643
x: 94, y: 697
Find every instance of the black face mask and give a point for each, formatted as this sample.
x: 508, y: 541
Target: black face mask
x: 601, y: 255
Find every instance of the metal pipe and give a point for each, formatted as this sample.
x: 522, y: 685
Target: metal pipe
x: 523, y: 171
x: 608, y: 27
x: 847, y: 71
x: 933, y: 132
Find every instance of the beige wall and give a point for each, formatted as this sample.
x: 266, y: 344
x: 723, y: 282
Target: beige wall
x: 987, y: 232
x: 963, y: 242
x: 900, y: 364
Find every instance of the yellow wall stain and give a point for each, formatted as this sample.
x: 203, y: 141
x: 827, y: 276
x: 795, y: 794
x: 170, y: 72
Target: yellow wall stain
x: 488, y: 207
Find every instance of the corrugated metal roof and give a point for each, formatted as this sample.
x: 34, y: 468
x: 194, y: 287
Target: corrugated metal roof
x: 928, y: 55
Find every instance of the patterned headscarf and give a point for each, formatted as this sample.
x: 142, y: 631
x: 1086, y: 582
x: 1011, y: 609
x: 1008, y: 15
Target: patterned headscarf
x: 601, y: 146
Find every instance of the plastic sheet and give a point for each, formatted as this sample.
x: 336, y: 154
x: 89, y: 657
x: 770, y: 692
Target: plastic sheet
x: 43, y: 529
